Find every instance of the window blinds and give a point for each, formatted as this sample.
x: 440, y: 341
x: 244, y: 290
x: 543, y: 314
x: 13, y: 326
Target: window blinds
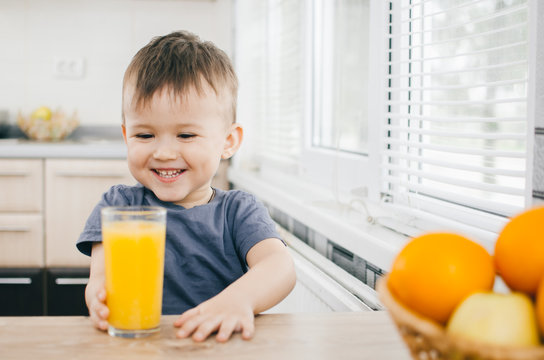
x: 456, y: 119
x: 270, y: 58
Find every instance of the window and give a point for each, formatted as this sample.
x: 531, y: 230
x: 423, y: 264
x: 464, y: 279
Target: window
x: 303, y: 69
x: 341, y: 55
x: 417, y: 106
x: 270, y: 60
x: 456, y: 122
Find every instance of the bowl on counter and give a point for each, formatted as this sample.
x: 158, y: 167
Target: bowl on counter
x: 44, y: 124
x: 427, y: 340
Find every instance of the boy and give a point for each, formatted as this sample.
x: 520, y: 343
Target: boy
x: 224, y: 261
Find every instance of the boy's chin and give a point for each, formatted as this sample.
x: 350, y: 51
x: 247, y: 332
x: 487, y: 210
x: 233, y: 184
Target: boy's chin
x: 170, y: 199
x: 167, y: 196
x: 178, y: 197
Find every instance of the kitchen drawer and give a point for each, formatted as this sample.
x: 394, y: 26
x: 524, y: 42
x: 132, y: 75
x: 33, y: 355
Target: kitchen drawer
x: 21, y: 240
x: 21, y: 292
x: 66, y: 291
x: 23, y: 179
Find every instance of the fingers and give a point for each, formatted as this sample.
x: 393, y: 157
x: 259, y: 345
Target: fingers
x: 248, y: 329
x: 201, y: 327
x: 233, y: 325
x: 98, y: 311
x: 227, y: 328
x: 186, y: 316
x: 206, y: 328
x: 101, y: 295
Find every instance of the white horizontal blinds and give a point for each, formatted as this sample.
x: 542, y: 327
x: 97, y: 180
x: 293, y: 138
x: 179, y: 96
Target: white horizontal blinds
x: 281, y: 130
x: 457, y: 103
x: 269, y: 55
x: 250, y: 62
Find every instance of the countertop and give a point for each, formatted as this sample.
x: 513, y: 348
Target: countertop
x: 354, y: 335
x: 94, y: 142
x: 98, y: 149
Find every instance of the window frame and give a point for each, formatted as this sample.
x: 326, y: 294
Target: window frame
x: 359, y: 176
x: 350, y: 177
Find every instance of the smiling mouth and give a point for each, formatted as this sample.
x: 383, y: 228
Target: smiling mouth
x: 168, y: 174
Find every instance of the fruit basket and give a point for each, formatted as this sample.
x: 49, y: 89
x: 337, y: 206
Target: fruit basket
x: 428, y: 340
x: 46, y: 125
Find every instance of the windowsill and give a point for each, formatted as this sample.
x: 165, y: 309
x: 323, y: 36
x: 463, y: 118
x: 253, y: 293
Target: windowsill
x: 316, y: 208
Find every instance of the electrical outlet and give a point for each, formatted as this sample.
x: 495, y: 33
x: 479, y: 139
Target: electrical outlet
x: 69, y: 68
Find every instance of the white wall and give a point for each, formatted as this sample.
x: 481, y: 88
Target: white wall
x: 105, y: 34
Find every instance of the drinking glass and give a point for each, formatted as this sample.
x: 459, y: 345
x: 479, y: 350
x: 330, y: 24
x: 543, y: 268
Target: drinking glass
x: 133, y: 240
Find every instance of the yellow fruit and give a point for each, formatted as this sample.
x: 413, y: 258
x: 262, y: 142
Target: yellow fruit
x: 43, y: 112
x: 540, y: 307
x: 519, y: 251
x: 433, y: 273
x: 493, y: 318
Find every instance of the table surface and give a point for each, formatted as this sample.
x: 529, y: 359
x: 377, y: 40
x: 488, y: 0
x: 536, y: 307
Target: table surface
x: 355, y: 335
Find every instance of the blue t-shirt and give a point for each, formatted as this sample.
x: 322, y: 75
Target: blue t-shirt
x: 206, y: 246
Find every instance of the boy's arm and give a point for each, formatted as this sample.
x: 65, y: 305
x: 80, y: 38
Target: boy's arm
x: 95, y: 292
x: 269, y: 280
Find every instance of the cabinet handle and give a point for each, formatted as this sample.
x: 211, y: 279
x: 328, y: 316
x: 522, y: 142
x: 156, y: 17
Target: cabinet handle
x: 14, y: 229
x: 15, y: 281
x: 15, y: 173
x: 71, y: 281
x: 89, y: 174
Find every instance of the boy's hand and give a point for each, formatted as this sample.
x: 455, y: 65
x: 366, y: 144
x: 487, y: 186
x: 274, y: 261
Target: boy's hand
x: 95, y: 298
x: 223, y: 313
x: 95, y: 292
x: 270, y: 278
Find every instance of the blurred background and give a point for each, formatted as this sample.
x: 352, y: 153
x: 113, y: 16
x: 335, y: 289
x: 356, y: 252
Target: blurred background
x: 73, y: 53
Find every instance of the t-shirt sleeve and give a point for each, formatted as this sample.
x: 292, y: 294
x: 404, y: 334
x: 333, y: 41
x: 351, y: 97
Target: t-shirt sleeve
x: 92, y: 232
x: 251, y: 223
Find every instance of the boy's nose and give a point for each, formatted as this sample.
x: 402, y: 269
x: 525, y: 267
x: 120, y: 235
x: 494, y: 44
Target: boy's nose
x: 165, y: 151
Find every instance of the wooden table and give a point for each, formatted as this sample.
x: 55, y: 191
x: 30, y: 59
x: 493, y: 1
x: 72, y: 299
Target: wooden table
x: 338, y: 336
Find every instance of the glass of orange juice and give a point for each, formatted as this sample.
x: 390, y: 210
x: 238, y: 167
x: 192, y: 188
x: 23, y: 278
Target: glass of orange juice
x: 133, y: 238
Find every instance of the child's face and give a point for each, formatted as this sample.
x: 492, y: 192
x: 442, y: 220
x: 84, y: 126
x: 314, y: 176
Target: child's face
x: 174, y: 145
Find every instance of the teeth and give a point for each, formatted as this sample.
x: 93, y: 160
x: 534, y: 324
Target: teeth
x: 168, y: 173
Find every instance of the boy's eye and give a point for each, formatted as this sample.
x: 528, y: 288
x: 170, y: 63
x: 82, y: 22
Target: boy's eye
x: 186, y: 136
x: 144, y: 136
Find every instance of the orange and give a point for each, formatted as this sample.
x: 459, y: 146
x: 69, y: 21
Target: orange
x: 519, y: 251
x: 540, y: 307
x: 433, y: 273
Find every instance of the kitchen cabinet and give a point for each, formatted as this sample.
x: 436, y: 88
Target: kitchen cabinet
x: 21, y: 291
x: 43, y: 209
x: 72, y: 189
x: 21, y: 181
x: 21, y: 237
x: 45, y: 202
x: 21, y: 240
x: 66, y: 291
x: 38, y: 291
x: 21, y: 218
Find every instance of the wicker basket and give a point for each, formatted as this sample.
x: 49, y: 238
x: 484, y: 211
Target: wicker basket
x: 427, y: 339
x: 57, y: 128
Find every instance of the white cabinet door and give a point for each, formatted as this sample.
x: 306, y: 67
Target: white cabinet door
x: 21, y: 181
x: 21, y: 240
x: 72, y: 188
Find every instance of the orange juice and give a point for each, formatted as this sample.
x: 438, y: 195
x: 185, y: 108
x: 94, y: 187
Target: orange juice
x: 134, y: 259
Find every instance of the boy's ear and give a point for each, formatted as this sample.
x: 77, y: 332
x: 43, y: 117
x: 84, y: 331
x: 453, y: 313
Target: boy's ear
x: 233, y: 141
x: 124, y: 132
